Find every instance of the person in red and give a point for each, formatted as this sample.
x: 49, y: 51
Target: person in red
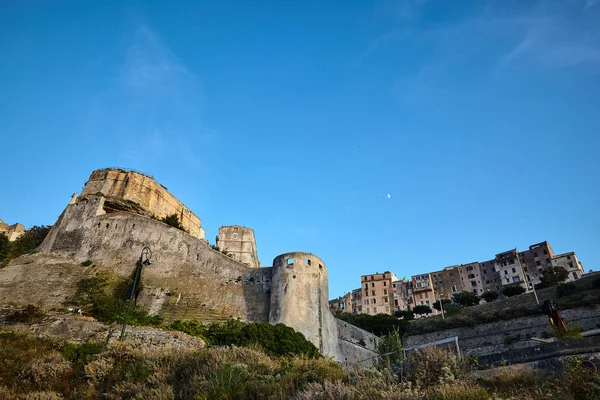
x: 550, y: 309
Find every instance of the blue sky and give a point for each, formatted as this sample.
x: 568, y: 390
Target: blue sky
x: 480, y: 119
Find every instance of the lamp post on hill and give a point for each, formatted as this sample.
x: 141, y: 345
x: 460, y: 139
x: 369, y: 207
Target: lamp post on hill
x: 144, y: 260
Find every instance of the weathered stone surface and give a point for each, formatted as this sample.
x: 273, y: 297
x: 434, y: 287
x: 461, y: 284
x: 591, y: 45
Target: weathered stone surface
x: 77, y: 328
x: 186, y: 278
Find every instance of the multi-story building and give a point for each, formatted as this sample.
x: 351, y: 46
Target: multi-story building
x: 569, y: 262
x: 377, y: 293
x: 423, y: 292
x: 341, y: 304
x: 357, y: 301
x: 490, y: 278
x: 403, y: 294
x: 240, y: 244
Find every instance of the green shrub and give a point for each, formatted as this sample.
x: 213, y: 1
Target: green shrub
x: 28, y: 315
x: 466, y: 299
x: 275, y: 340
x: 513, y: 290
x: 379, y: 325
x: 432, y: 365
x: 489, y: 296
x: 173, y: 220
x: 87, y: 263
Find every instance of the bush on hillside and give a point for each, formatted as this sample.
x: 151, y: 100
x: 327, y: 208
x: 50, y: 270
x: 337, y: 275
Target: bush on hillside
x: 378, y: 325
x: 405, y: 314
x: 466, y: 299
x: 275, y: 340
x: 173, y: 220
x: 445, y: 303
x: 489, y: 296
x: 513, y: 290
x: 422, y: 309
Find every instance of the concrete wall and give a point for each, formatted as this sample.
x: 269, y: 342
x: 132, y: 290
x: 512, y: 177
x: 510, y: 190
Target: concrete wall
x: 144, y: 191
x: 498, y: 336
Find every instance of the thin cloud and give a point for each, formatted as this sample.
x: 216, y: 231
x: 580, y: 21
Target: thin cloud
x: 153, y: 106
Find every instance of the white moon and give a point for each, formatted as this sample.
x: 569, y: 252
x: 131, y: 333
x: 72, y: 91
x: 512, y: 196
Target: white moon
x: 389, y: 196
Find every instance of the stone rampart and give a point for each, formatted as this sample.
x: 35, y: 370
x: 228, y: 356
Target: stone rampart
x: 143, y: 191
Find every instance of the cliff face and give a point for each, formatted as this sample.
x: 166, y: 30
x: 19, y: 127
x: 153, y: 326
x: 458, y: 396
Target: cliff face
x: 143, y: 191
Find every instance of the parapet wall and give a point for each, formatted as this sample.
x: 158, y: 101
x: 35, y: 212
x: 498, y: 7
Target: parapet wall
x: 144, y: 191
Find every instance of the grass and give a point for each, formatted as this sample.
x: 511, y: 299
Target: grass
x: 42, y: 368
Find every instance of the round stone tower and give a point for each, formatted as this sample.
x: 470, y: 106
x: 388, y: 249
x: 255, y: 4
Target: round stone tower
x: 299, y: 295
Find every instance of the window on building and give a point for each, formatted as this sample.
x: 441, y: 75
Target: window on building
x: 384, y: 283
x: 453, y: 288
x: 372, y: 284
x: 512, y: 261
x: 516, y: 279
x: 367, y: 286
x: 387, y: 308
x: 575, y: 275
x: 372, y: 293
x: 484, y: 272
x: 427, y: 302
x: 368, y: 310
x: 374, y: 310
x: 545, y: 251
x: 234, y: 235
x: 538, y: 263
x: 568, y: 257
x: 535, y: 254
x: 514, y: 270
x: 366, y: 302
x: 570, y: 265
x: 473, y: 283
x: 385, y: 299
x: 395, y: 302
x: 384, y: 291
x: 471, y: 276
x: 547, y: 261
x: 421, y: 296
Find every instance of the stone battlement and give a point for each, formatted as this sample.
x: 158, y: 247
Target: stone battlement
x: 143, y: 191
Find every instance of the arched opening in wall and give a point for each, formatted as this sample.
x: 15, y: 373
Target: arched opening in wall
x: 107, y: 226
x: 320, y: 267
x: 307, y: 261
x: 290, y: 262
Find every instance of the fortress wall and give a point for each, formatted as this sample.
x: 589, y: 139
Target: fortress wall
x: 355, y: 345
x: 187, y: 279
x: 146, y: 192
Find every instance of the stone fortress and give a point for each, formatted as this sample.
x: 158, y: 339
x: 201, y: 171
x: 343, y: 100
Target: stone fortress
x: 118, y: 213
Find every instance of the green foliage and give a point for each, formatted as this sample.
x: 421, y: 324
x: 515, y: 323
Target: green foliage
x: 379, y: 325
x: 173, y: 221
x: 405, y: 314
x: 513, y: 290
x: 87, y: 263
x: 96, y: 299
x: 432, y: 365
x: 391, y: 351
x: 4, y: 248
x: 28, y: 315
x: 29, y: 241
x: 489, y: 296
x: 566, y: 289
x: 552, y: 277
x: 452, y: 309
x: 422, y: 309
x: 275, y: 340
x: 81, y: 354
x: 573, y: 332
x: 26, y: 243
x: 445, y: 303
x: 466, y: 299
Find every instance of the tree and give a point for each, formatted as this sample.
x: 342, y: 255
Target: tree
x: 29, y: 241
x: 466, y: 299
x: 445, y: 303
x: 405, y: 314
x: 422, y: 309
x: 489, y: 296
x: 173, y: 221
x: 379, y: 325
x: 553, y: 276
x: 4, y: 247
x: 512, y: 290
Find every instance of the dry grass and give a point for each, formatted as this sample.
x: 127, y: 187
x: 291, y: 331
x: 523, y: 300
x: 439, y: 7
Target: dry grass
x: 34, y: 368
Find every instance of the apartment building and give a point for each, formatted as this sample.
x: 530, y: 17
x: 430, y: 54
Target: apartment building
x: 403, y: 294
x: 357, y: 301
x: 423, y: 292
x: 341, y: 304
x: 377, y: 293
x: 569, y: 262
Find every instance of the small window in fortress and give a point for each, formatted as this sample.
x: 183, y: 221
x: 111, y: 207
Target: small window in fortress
x: 320, y: 266
x: 290, y: 261
x: 234, y: 235
x: 306, y: 261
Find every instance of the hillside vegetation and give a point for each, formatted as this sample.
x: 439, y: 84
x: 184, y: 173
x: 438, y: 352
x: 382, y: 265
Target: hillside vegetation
x: 38, y: 368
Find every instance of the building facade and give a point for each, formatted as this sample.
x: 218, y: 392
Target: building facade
x: 240, y: 244
x: 377, y: 293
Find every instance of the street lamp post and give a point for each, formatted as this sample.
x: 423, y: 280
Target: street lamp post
x: 534, y: 292
x: 441, y: 305
x: 144, y: 260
